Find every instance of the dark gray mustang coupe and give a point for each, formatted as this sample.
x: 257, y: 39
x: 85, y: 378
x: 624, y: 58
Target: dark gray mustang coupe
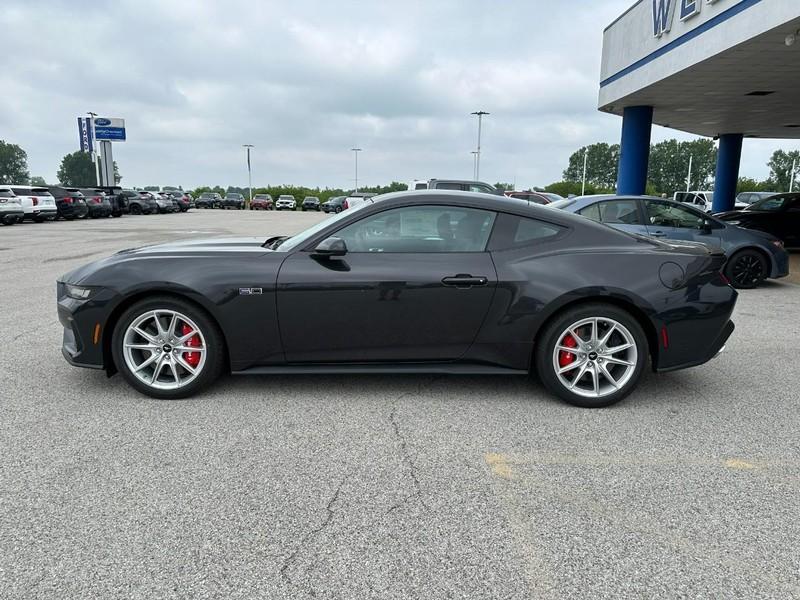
x: 420, y: 282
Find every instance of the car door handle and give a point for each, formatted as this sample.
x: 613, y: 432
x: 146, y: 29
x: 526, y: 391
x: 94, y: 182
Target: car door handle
x: 658, y: 234
x: 464, y: 281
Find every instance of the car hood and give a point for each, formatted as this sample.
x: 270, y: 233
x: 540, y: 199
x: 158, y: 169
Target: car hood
x: 250, y: 246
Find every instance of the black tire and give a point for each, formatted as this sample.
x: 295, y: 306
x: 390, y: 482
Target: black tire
x: 215, y: 346
x: 9, y: 220
x: 338, y: 209
x: 38, y: 219
x: 135, y: 209
x: 746, y: 269
x: 549, y: 336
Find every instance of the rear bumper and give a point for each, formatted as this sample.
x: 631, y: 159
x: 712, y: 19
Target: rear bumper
x: 74, y: 211
x: 780, y: 265
x: 712, y: 351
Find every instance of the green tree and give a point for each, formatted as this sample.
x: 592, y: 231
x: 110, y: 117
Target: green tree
x: 669, y: 165
x: 601, y: 165
x: 504, y: 186
x: 13, y: 164
x: 77, y: 169
x: 37, y: 180
x: 780, y: 169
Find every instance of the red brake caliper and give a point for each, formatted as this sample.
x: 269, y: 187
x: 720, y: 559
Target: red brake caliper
x: 565, y: 358
x: 191, y: 358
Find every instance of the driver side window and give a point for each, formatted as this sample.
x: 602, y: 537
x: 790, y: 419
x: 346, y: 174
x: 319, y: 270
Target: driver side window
x: 420, y: 229
x: 670, y: 215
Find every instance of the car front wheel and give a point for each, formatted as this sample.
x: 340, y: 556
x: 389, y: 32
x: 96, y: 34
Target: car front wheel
x: 746, y: 269
x: 167, y: 348
x: 591, y: 356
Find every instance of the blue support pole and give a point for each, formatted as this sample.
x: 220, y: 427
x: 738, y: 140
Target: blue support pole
x: 637, y: 123
x: 728, y: 159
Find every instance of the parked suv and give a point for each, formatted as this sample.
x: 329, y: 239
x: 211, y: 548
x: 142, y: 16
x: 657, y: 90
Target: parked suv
x: 463, y: 185
x: 357, y: 198
x: 233, y: 200
x: 70, y: 203
x: 310, y: 203
x: 286, y: 202
x: 700, y: 200
x: 138, y: 202
x: 262, y: 202
x: 334, y: 205
x: 37, y: 202
x: 97, y: 202
x: 183, y: 200
x: 10, y: 207
x: 208, y: 200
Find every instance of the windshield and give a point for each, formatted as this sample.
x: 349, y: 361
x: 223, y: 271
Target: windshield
x: 767, y: 205
x: 299, y: 239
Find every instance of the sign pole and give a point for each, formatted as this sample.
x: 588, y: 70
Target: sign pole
x: 94, y: 149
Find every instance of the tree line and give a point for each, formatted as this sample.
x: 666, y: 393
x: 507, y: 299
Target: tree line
x: 76, y: 169
x: 668, y: 170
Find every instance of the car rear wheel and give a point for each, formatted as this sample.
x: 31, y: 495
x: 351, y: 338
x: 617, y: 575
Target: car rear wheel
x: 592, y: 356
x: 135, y: 209
x: 746, y: 269
x: 167, y: 348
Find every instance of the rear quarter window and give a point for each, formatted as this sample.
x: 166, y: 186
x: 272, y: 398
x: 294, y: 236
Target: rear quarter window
x: 513, y: 231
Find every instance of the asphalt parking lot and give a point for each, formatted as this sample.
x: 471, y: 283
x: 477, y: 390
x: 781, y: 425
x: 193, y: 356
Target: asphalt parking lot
x: 385, y: 487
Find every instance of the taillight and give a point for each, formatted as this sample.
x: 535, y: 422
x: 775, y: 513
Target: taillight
x: 345, y: 205
x: 664, y: 337
x: 97, y: 199
x: 724, y: 279
x: 67, y: 200
x: 35, y: 201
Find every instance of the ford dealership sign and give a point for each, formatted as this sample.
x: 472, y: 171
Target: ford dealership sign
x: 664, y: 12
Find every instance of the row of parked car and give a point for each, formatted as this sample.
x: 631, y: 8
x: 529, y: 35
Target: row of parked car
x: 260, y: 202
x: 48, y: 203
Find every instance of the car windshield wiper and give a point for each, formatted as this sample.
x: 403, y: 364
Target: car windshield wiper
x: 273, y: 242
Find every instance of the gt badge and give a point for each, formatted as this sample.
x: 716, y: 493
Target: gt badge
x: 250, y: 291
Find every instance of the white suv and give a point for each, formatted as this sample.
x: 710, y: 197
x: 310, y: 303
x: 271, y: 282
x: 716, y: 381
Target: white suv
x: 37, y: 202
x: 286, y: 202
x: 10, y: 207
x: 700, y: 200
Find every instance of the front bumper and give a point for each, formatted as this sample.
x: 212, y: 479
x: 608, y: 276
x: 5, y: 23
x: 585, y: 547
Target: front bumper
x: 83, y: 322
x: 780, y: 264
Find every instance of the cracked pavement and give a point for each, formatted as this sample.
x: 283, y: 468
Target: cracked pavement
x: 385, y: 487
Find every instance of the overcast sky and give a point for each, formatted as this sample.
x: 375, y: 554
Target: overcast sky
x: 306, y: 81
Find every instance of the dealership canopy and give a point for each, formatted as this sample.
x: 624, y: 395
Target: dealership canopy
x: 728, y: 69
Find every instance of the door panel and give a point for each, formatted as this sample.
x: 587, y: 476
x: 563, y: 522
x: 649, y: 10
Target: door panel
x: 675, y: 222
x: 383, y: 306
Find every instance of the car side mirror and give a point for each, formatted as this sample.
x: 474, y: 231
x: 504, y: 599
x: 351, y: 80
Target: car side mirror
x: 707, y: 226
x: 332, y: 246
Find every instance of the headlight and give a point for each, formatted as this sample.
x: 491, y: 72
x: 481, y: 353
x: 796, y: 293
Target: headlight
x: 78, y: 292
x: 777, y: 243
x: 733, y: 222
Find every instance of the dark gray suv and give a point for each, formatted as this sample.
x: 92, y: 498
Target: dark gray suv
x: 752, y: 255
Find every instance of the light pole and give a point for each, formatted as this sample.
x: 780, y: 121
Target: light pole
x: 474, y: 164
x: 355, y: 152
x: 94, y: 148
x: 479, y: 114
x: 249, y: 176
x: 585, y: 164
x: 794, y: 172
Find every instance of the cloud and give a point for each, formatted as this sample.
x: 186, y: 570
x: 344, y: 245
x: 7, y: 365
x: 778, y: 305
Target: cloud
x: 305, y: 81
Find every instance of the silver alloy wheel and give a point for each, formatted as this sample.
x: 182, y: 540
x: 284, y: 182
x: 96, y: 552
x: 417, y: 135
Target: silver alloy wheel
x: 156, y: 351
x: 595, y: 357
